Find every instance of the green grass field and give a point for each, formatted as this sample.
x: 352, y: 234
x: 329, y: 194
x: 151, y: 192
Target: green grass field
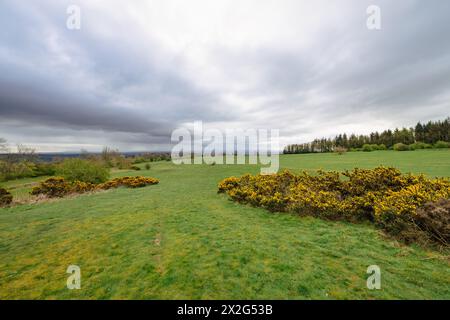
x: 182, y: 240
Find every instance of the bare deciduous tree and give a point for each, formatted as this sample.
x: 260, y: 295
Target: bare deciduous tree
x: 25, y: 153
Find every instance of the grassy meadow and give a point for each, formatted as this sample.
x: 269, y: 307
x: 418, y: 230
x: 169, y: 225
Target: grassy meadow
x: 182, y: 240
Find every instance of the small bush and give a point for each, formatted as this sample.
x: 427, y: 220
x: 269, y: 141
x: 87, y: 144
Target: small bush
x: 147, y: 166
x: 373, y: 147
x: 367, y: 148
x: 138, y: 160
x: 16, y: 170
x: 441, y: 145
x: 44, y: 169
x: 135, y: 168
x: 401, y: 147
x: 83, y: 170
x: 420, y: 146
x: 5, y: 198
x: 152, y: 157
x: 123, y: 163
x: 55, y: 187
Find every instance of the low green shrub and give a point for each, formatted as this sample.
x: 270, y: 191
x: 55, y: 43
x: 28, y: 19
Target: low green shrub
x: 401, y: 147
x: 10, y: 170
x: 441, y: 145
x: 420, y: 146
x: 367, y: 148
x: 82, y: 170
x: 152, y: 157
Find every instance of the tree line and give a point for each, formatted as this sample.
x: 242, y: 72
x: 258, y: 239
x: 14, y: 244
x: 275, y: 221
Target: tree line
x: 427, y: 133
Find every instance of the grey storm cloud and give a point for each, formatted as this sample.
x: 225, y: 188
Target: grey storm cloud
x: 137, y: 70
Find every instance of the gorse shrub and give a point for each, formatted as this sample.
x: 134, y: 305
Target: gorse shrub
x: 5, y: 197
x: 152, y: 157
x: 44, y: 169
x: 10, y: 170
x: 59, y: 187
x: 53, y: 187
x: 373, y: 147
x: 382, y: 195
x: 401, y: 147
x: 130, y: 182
x: 367, y: 148
x: 82, y: 170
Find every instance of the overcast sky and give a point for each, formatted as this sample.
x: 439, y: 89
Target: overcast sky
x: 136, y: 70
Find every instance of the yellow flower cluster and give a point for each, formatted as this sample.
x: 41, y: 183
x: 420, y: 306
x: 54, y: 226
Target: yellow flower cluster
x: 53, y: 187
x: 130, y: 182
x: 58, y: 187
x: 351, y: 195
x: 407, y: 200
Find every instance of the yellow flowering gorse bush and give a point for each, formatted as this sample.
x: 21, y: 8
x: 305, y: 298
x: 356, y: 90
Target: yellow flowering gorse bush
x: 58, y: 187
x: 5, y: 197
x: 379, y: 195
